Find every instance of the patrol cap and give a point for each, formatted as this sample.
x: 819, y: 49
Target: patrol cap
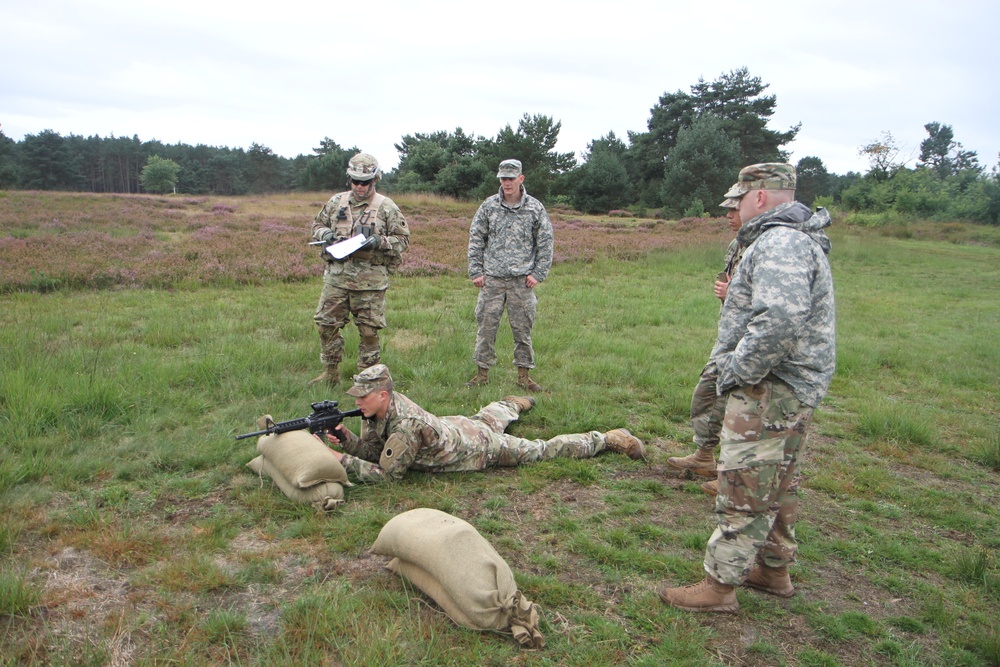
x: 730, y: 202
x: 763, y: 176
x: 363, y: 167
x: 509, y: 169
x: 371, y: 379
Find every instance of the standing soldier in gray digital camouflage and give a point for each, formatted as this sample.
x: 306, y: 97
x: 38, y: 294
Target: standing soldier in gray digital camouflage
x: 356, y: 285
x: 510, y: 252
x: 707, y: 406
x: 398, y: 435
x: 775, y: 356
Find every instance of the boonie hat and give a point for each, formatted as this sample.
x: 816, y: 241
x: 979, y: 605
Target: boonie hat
x: 509, y: 169
x: 371, y: 379
x: 730, y: 202
x: 763, y: 176
x: 363, y: 167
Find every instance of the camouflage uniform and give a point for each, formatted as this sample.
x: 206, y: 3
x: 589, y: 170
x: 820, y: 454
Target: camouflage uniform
x: 506, y: 244
x: 707, y: 406
x: 409, y: 437
x: 356, y: 285
x: 775, y: 357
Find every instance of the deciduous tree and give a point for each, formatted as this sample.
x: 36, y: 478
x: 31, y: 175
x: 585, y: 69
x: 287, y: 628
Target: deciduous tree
x: 159, y: 175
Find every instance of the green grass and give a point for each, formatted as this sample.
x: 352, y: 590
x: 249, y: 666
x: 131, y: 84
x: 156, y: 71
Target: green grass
x: 130, y: 525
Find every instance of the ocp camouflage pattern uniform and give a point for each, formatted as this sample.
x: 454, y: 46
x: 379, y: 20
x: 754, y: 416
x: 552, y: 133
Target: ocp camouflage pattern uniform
x: 409, y: 437
x: 707, y: 406
x: 506, y: 244
x: 775, y: 355
x: 357, y: 284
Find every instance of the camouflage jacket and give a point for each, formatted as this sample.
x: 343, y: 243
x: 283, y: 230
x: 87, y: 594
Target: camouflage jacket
x: 507, y: 241
x: 733, y: 256
x: 364, y: 269
x: 778, y: 317
x: 410, y: 437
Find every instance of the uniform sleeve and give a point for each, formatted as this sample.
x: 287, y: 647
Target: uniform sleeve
x: 781, y: 304
x: 396, y: 239
x: 478, y: 233
x: 394, y: 460
x: 544, y: 245
x: 323, y: 223
x: 362, y: 471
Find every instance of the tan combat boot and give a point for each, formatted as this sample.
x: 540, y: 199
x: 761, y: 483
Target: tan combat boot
x: 700, y: 463
x: 524, y: 380
x: 706, y: 595
x: 482, y: 377
x: 773, y: 580
x: 711, y: 488
x: 622, y: 441
x: 523, y: 403
x: 331, y: 376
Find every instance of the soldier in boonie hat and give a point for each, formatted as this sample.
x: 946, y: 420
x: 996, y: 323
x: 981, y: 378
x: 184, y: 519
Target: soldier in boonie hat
x: 763, y: 176
x: 509, y: 169
x: 371, y: 379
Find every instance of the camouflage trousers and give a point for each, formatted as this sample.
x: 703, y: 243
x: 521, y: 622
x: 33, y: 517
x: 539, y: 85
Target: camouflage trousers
x: 336, y: 306
x: 520, y: 302
x: 763, y: 438
x: 501, y: 449
x: 707, y: 409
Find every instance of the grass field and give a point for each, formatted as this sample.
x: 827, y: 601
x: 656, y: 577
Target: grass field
x: 140, y: 334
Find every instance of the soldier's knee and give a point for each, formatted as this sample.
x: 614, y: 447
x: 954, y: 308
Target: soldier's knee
x: 366, y: 331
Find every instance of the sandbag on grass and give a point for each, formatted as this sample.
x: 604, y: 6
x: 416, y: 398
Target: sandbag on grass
x: 447, y: 559
x: 302, y: 458
x: 324, y: 496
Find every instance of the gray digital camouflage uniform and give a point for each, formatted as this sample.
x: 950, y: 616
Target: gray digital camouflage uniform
x: 506, y: 244
x: 357, y: 284
x: 409, y: 437
x: 775, y: 357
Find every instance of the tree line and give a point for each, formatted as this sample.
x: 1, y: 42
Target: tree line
x: 694, y: 144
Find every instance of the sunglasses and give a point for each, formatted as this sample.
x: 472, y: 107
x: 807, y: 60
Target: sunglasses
x: 357, y: 182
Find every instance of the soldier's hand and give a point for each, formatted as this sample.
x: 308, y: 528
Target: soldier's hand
x: 479, y: 281
x: 338, y: 435
x: 370, y: 243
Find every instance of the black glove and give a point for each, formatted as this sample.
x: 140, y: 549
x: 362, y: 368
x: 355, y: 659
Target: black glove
x: 370, y: 243
x: 329, y: 236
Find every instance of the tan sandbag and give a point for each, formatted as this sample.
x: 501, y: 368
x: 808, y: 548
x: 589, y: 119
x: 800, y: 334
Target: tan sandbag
x: 447, y: 559
x: 324, y: 496
x: 431, y: 587
x: 303, y: 459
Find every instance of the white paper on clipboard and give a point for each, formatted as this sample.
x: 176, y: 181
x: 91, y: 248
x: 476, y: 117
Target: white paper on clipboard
x: 342, y: 249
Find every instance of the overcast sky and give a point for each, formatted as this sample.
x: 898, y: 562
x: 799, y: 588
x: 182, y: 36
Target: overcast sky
x: 287, y: 74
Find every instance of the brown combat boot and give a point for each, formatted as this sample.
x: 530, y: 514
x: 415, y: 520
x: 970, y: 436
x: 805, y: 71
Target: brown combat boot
x: 706, y: 595
x: 524, y: 380
x: 523, y: 403
x: 482, y: 377
x: 331, y: 376
x: 700, y: 463
x: 711, y: 488
x: 622, y: 441
x: 773, y: 580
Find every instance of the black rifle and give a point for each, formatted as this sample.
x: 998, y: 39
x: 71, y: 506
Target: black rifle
x: 325, y: 417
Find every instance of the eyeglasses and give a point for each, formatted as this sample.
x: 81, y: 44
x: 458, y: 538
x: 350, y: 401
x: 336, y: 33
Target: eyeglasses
x: 357, y: 182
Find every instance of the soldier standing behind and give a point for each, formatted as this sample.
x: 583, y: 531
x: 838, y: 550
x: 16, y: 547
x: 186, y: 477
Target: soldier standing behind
x: 355, y: 285
x: 775, y: 355
x: 707, y: 407
x: 510, y: 252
